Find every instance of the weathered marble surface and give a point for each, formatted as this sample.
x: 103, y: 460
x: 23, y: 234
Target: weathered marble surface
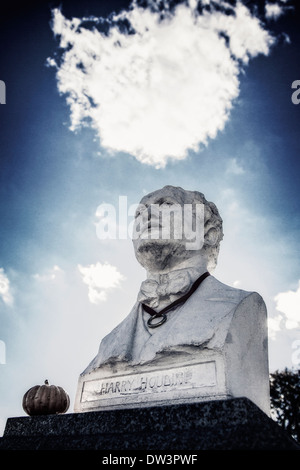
x: 217, y: 338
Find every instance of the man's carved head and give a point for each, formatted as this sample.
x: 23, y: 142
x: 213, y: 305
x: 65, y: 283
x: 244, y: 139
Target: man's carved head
x: 167, y: 220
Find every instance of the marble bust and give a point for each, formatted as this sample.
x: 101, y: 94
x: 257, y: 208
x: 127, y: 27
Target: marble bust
x: 183, y: 315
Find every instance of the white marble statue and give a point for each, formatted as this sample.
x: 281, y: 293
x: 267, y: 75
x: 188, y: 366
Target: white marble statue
x: 215, y: 323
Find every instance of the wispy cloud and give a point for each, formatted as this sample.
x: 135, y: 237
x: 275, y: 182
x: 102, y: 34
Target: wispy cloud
x: 275, y: 10
x: 234, y: 167
x: 100, y: 279
x: 50, y: 275
x: 156, y: 82
x: 5, y: 289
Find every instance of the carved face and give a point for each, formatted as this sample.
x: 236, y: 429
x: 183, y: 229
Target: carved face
x: 168, y: 229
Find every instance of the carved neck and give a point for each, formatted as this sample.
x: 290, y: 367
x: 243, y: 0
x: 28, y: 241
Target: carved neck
x: 162, y: 288
x: 194, y: 264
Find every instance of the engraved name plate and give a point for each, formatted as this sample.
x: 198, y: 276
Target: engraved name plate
x: 155, y: 385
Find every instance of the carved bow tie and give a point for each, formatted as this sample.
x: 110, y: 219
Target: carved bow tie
x: 170, y: 286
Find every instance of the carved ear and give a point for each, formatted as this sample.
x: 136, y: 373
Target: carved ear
x: 211, y: 237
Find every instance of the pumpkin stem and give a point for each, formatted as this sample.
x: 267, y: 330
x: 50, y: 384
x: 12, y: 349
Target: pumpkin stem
x: 46, y: 382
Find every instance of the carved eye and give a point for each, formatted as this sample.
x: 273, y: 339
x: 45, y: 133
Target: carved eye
x: 140, y: 209
x: 164, y: 203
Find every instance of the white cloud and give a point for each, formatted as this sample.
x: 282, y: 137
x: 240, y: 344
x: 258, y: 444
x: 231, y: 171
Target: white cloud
x: 274, y: 326
x: 100, y: 278
x: 273, y: 11
x: 5, y: 290
x: 165, y: 88
x: 289, y: 304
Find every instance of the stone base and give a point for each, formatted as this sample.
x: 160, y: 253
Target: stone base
x: 196, y: 378
x: 233, y: 424
x: 190, y: 375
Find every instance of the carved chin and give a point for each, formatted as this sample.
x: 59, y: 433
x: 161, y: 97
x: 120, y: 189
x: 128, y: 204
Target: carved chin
x: 158, y: 254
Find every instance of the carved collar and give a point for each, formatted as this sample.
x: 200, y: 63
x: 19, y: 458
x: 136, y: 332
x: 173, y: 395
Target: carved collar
x: 166, y: 288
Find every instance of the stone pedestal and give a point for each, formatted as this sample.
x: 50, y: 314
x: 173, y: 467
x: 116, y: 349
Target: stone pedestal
x: 231, y: 424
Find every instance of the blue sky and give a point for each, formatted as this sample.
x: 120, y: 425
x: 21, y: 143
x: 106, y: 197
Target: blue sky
x: 53, y: 179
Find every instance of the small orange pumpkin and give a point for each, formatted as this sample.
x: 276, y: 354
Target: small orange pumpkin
x: 45, y: 400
